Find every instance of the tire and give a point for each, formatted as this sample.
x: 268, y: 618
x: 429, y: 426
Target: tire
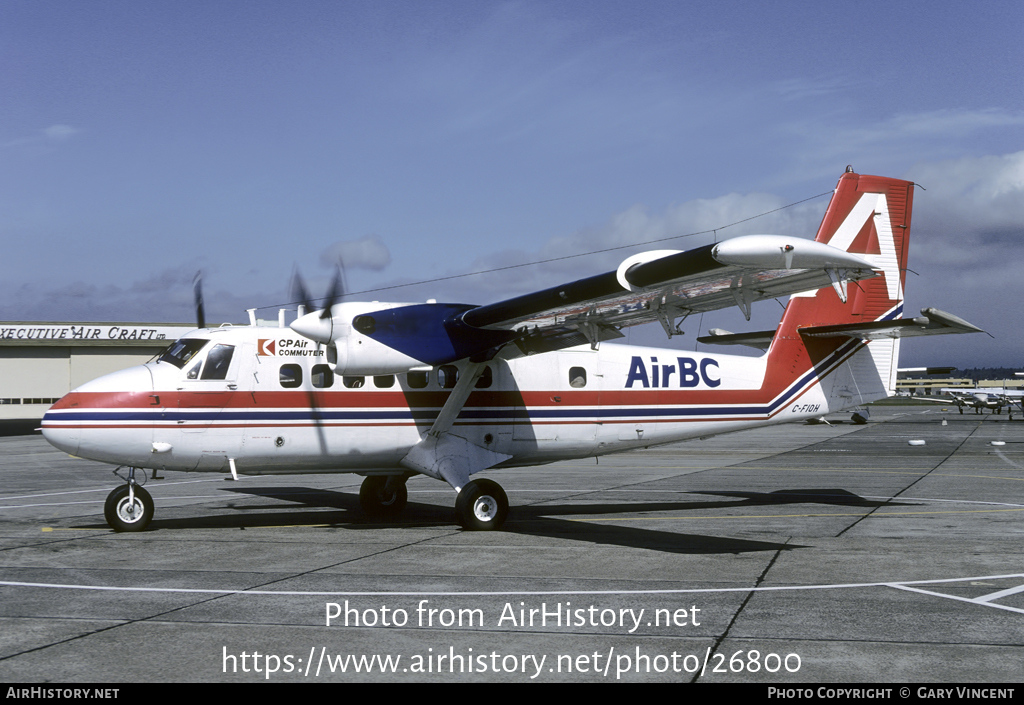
x: 375, y: 503
x: 121, y: 517
x: 482, y: 506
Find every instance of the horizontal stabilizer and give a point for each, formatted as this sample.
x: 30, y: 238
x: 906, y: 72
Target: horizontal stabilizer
x: 932, y: 322
x: 761, y: 339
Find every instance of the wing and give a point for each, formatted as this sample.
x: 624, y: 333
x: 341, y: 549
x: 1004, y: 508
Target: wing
x: 668, y: 285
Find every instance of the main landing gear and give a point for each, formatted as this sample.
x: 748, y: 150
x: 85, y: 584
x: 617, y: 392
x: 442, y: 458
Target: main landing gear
x: 481, y: 505
x: 384, y: 496
x: 129, y: 507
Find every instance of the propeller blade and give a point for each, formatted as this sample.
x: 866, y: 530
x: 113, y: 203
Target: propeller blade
x: 299, y: 290
x: 197, y: 290
x: 337, y: 290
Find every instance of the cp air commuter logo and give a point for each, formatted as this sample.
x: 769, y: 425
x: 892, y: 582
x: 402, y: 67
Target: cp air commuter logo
x: 266, y: 347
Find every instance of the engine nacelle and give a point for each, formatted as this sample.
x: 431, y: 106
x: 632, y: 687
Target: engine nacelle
x: 381, y: 339
x: 357, y: 354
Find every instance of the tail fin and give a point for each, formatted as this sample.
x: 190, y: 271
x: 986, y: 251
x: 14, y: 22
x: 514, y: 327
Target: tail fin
x: 869, y: 216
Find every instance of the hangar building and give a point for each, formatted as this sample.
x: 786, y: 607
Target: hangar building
x: 41, y: 362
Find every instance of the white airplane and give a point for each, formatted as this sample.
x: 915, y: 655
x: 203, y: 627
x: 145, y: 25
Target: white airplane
x: 448, y: 390
x: 979, y: 400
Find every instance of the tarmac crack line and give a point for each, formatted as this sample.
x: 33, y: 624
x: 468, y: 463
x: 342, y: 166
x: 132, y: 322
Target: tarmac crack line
x: 919, y: 479
x: 736, y: 615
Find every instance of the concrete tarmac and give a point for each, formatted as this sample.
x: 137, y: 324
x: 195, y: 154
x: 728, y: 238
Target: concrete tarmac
x: 791, y: 555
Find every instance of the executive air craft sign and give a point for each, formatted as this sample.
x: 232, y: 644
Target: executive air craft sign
x: 72, y: 333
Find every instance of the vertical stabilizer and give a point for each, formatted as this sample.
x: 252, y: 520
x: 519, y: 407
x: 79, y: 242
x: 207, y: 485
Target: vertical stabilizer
x: 868, y: 216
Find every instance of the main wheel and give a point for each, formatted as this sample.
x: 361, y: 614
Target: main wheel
x: 377, y: 502
x: 123, y: 515
x: 482, y: 506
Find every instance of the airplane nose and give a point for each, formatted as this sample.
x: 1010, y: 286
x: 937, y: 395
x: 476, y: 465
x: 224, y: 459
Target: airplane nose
x: 311, y: 326
x: 61, y: 437
x: 87, y: 406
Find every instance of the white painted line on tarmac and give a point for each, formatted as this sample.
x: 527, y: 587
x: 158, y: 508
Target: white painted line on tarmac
x: 973, y: 601
x: 101, y: 489
x: 1000, y: 594
x: 902, y: 585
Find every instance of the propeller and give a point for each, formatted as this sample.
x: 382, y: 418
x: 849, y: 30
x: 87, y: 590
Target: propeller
x: 320, y: 328
x: 320, y: 332
x: 197, y: 290
x: 334, y: 293
x: 337, y: 290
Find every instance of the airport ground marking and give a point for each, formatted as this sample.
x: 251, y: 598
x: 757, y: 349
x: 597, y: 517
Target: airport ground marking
x: 922, y: 472
x: 898, y: 584
x: 798, y: 516
x: 101, y: 489
x: 984, y: 600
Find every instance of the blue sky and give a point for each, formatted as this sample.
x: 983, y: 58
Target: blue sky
x: 143, y: 141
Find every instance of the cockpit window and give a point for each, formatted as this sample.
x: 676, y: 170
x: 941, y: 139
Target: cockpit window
x: 218, y: 361
x: 181, y: 351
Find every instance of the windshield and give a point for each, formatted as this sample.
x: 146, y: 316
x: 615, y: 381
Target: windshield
x: 181, y: 351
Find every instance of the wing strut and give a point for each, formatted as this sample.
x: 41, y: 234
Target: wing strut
x: 443, y: 455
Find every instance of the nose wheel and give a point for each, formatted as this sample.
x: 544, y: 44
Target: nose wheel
x: 482, y: 506
x: 128, y: 508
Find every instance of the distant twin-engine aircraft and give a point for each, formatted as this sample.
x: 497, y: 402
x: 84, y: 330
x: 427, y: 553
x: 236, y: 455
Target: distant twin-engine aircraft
x: 389, y: 390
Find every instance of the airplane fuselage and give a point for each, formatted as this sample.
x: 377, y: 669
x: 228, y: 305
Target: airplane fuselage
x: 267, y: 400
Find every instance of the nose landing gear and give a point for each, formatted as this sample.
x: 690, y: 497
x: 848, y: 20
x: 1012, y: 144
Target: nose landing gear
x: 129, y: 507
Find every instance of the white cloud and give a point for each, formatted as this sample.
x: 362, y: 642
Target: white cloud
x: 369, y: 252
x: 628, y: 232
x: 894, y: 141
x: 53, y: 133
x: 978, y: 193
x: 59, y: 133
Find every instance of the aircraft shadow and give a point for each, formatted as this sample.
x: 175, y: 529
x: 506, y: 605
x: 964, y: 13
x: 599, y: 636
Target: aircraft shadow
x: 808, y: 496
x: 549, y: 520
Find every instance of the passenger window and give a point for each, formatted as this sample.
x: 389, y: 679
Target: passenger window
x: 418, y: 380
x: 353, y: 382
x: 218, y: 362
x: 290, y: 376
x: 486, y: 379
x: 384, y: 381
x: 577, y: 377
x: 447, y: 376
x: 322, y: 376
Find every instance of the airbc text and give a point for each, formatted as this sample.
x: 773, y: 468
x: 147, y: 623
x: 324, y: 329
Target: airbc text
x: 686, y: 373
